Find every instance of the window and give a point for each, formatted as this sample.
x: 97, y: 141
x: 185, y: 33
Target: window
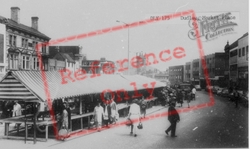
x: 233, y: 53
x: 26, y: 62
x: 239, y: 52
x: 13, y: 61
x: 35, y: 63
x: 12, y: 40
x: 243, y: 51
x: 34, y: 43
x: 43, y: 47
x: 24, y: 43
x: 247, y: 53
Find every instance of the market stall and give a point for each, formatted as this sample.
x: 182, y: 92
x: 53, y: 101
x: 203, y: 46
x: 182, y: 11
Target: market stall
x: 45, y: 92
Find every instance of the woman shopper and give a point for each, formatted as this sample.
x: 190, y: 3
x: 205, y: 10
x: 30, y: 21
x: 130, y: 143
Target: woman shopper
x: 98, y: 115
x: 134, y: 116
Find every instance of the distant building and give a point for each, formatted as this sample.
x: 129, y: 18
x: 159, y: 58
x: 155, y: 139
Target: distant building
x: 196, y: 71
x: 242, y: 62
x: 18, y: 44
x: 61, y: 57
x: 176, y: 74
x: 238, y: 62
x: 187, y: 72
x: 101, y: 66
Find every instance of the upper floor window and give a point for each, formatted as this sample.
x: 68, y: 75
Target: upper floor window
x: 243, y: 51
x: 43, y: 47
x: 13, y: 61
x: 24, y: 42
x: 35, y: 63
x: 26, y: 62
x: 233, y: 53
x: 12, y: 40
x: 34, y: 43
x: 239, y: 52
x: 247, y: 53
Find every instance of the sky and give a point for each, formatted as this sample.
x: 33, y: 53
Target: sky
x: 64, y: 18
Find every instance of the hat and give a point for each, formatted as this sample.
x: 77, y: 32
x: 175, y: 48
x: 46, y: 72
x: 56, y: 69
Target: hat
x: 135, y: 101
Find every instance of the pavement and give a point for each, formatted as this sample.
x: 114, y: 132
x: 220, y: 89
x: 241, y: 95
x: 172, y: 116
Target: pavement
x: 9, y: 143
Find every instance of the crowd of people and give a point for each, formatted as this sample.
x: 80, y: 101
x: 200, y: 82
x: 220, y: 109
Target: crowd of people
x: 177, y: 95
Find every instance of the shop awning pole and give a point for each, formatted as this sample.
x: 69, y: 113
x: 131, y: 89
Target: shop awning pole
x: 34, y: 123
x: 25, y: 123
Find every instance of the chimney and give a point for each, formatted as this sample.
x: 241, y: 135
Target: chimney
x: 15, y: 14
x: 34, y: 22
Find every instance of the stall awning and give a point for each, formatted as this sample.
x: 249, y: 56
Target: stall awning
x: 31, y: 85
x: 12, y: 89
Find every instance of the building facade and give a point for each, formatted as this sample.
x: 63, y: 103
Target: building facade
x: 187, y: 72
x: 176, y: 74
x: 238, y: 63
x: 242, y: 62
x: 69, y: 57
x: 101, y: 66
x: 18, y: 44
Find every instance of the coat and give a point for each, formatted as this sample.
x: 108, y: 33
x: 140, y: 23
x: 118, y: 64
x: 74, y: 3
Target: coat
x: 173, y: 115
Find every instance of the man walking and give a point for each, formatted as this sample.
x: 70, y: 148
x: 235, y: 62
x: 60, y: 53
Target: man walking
x: 236, y: 97
x: 173, y: 118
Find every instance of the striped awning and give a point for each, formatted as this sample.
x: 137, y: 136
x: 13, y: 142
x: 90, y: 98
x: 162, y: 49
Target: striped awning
x: 12, y: 89
x: 41, y: 86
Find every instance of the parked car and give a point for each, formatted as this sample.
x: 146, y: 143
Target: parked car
x: 197, y: 87
x: 225, y: 92
x: 215, y: 89
x: 208, y: 87
x: 219, y: 91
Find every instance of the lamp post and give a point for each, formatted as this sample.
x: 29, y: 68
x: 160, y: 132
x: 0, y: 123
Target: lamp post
x: 128, y: 40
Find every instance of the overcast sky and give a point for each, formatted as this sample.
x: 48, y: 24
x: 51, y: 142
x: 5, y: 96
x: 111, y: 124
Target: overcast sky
x: 63, y: 18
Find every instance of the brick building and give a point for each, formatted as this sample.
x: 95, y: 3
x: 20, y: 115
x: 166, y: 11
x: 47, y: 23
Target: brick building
x: 18, y: 42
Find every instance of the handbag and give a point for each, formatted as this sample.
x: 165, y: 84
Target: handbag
x: 128, y: 122
x: 140, y: 126
x: 92, y: 121
x: 117, y: 116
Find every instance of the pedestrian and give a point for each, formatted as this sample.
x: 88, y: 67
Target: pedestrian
x: 143, y: 107
x: 107, y: 114
x: 16, y: 111
x: 98, y: 114
x: 173, y: 118
x: 189, y: 96
x: 193, y: 93
x: 64, y: 118
x: 179, y: 97
x: 134, y: 115
x: 236, y: 97
x: 113, y: 112
x: 66, y: 104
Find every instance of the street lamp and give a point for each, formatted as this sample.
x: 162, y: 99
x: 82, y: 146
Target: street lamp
x: 128, y: 40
